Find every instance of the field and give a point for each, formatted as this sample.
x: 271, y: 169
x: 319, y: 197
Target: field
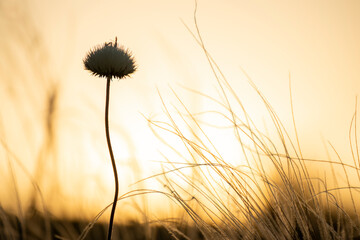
x: 271, y: 190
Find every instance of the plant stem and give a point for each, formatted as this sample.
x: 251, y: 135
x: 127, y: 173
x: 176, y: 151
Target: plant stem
x: 111, y: 156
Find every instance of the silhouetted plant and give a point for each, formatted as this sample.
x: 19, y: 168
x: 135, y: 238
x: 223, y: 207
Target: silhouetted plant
x: 110, y: 61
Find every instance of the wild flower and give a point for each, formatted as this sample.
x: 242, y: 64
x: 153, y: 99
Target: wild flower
x: 110, y: 61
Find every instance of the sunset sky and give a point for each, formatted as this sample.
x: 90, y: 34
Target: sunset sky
x: 44, y: 43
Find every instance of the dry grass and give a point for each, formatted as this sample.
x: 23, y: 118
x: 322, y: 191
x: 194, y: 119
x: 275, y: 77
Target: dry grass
x: 247, y: 201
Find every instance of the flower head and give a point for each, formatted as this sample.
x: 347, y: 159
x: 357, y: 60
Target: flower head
x: 109, y: 60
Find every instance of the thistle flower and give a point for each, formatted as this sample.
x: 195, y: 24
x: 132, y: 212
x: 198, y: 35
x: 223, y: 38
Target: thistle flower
x: 109, y: 60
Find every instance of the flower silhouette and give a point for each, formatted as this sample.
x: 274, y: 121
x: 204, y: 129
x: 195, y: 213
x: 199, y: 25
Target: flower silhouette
x: 109, y: 60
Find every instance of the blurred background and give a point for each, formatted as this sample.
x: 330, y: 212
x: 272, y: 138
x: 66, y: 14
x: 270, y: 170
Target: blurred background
x: 51, y: 118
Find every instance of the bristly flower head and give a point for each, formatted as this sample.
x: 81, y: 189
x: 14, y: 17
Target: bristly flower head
x: 109, y: 60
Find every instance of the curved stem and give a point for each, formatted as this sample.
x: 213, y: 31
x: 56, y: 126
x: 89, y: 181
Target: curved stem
x: 111, y: 156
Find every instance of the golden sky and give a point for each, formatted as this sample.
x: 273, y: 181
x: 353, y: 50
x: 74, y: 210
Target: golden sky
x: 317, y: 43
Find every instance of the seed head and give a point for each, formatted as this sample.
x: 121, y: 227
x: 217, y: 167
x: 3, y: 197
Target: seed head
x: 109, y: 60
